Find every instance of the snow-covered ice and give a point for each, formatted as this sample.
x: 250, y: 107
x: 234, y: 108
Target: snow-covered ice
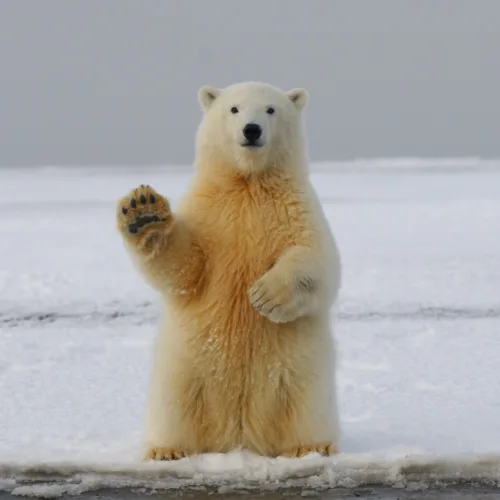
x: 418, y: 331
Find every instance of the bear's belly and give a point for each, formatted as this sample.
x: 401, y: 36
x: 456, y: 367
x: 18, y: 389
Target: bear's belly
x: 254, y: 374
x: 228, y: 320
x: 234, y: 343
x: 240, y: 252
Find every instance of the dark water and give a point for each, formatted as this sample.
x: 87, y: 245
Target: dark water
x: 468, y: 493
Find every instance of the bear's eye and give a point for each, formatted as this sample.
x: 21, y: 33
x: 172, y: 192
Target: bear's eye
x: 234, y: 110
x: 270, y: 110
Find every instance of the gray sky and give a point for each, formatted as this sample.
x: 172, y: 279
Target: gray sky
x: 115, y: 81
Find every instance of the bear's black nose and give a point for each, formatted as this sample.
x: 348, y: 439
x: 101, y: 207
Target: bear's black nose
x: 252, y: 132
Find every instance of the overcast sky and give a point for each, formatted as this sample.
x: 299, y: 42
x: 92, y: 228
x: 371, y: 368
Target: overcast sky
x: 115, y: 81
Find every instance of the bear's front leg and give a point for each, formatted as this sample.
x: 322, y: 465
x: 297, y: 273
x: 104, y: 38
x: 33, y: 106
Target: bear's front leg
x: 289, y: 290
x: 164, y: 247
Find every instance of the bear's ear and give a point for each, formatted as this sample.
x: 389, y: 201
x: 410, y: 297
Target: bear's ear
x: 207, y: 95
x: 298, y: 97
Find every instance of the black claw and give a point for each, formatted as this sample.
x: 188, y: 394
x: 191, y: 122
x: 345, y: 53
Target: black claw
x: 142, y: 199
x: 133, y: 203
x: 152, y: 199
x: 124, y: 210
x: 307, y: 284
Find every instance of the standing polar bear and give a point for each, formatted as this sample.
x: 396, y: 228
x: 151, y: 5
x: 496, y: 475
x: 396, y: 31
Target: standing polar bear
x: 248, y: 270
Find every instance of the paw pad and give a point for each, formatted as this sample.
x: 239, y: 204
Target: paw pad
x: 141, y: 208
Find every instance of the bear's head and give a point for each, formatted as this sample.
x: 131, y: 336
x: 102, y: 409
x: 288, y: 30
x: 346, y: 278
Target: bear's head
x: 251, y: 127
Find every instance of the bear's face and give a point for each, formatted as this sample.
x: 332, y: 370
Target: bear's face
x: 250, y: 126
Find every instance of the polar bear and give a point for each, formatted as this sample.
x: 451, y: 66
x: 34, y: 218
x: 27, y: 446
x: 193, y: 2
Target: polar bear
x: 248, y: 270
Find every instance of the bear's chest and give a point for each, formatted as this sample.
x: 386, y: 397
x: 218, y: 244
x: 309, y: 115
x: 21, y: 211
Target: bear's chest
x: 245, y: 235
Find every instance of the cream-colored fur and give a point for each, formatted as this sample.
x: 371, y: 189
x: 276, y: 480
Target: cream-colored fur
x: 248, y: 270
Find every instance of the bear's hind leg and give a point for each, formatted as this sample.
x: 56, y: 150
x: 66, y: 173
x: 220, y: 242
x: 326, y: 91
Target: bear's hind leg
x: 174, y: 429
x: 166, y: 437
x: 312, y: 430
x: 176, y: 424
x: 175, y: 419
x: 309, y: 411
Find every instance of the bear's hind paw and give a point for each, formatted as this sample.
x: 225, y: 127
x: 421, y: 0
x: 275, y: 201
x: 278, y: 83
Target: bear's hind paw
x: 325, y: 450
x: 165, y: 454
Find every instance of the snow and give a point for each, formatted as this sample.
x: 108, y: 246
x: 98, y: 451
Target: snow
x: 417, y: 329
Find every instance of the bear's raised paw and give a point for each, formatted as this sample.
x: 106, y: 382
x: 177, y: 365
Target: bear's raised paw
x: 143, y: 207
x: 165, y: 454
